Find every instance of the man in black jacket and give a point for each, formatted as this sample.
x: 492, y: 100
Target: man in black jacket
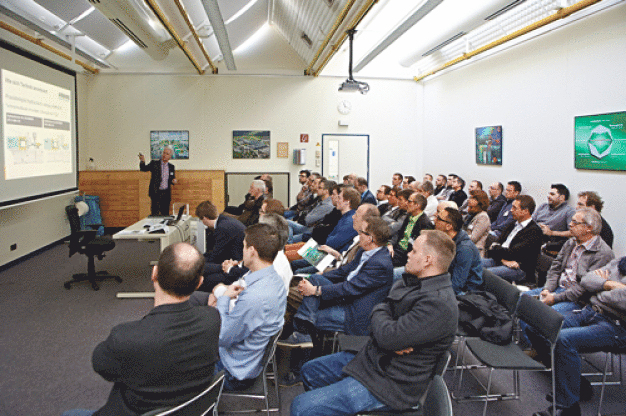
x: 410, y: 331
x: 163, y: 176
x: 514, y: 256
x: 167, y: 357
x: 413, y: 224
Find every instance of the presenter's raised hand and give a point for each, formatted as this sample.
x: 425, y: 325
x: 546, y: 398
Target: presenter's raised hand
x: 142, y: 158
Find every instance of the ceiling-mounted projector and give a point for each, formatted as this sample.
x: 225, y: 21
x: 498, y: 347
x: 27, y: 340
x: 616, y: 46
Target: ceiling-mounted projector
x: 352, y: 84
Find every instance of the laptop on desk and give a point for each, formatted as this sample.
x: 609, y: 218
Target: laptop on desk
x: 181, y: 210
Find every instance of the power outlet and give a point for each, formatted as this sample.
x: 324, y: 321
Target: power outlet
x: 13, y: 247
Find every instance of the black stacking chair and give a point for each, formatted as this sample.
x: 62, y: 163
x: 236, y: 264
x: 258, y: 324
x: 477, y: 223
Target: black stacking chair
x: 542, y: 318
x: 86, y: 242
x: 199, y: 405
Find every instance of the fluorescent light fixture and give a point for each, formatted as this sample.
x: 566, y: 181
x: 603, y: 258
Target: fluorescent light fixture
x: 241, y: 12
x: 83, y: 15
x: 408, y: 23
x: 219, y: 30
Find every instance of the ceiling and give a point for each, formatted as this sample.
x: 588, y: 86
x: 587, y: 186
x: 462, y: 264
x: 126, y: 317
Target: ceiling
x: 394, y: 39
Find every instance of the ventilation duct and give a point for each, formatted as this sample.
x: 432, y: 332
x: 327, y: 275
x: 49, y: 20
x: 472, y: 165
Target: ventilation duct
x: 134, y: 25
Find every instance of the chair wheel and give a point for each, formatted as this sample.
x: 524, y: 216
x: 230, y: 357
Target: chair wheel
x: 67, y: 285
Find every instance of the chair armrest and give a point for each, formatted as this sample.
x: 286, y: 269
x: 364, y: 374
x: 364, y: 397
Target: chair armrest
x: 95, y: 226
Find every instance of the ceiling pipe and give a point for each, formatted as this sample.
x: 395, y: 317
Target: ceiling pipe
x: 185, y: 15
x: 340, y: 18
x: 219, y: 30
x: 418, y: 15
x: 163, y: 19
x: 355, y: 22
x: 40, y: 43
x: 560, y: 14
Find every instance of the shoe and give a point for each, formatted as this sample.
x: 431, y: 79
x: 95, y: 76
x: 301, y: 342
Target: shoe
x: 297, y: 340
x: 586, y: 391
x: 532, y: 353
x: 573, y: 410
x: 290, y: 380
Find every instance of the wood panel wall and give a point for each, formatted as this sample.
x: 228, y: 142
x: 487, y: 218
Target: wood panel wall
x: 124, y: 196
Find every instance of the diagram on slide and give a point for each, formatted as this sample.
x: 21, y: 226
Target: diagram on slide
x: 37, y: 127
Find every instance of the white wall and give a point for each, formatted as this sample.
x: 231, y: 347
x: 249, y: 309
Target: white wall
x: 534, y: 91
x: 123, y: 109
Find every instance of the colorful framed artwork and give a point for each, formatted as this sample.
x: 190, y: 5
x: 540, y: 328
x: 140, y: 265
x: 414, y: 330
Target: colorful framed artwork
x: 600, y: 141
x: 177, y: 139
x: 251, y: 144
x: 489, y: 145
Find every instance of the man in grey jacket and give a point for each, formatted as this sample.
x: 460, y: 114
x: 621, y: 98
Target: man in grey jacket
x: 599, y: 326
x: 410, y: 331
x: 584, y: 252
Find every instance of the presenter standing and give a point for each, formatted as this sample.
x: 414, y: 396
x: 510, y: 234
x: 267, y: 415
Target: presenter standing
x: 161, y: 180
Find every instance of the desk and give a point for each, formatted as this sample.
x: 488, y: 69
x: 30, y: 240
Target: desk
x: 174, y: 234
x: 137, y: 231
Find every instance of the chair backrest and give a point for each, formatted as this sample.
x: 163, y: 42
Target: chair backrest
x: 507, y: 294
x: 438, y: 401
x: 442, y: 364
x: 540, y: 316
x: 72, y: 217
x: 199, y: 405
x: 270, y: 349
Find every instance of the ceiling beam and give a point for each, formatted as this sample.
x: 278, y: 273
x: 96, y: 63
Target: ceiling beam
x: 185, y: 15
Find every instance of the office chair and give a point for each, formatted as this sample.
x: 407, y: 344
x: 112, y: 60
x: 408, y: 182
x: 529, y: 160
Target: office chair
x: 85, y: 242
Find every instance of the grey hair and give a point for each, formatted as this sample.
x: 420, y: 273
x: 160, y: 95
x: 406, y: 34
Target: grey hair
x: 170, y: 148
x: 592, y: 218
x: 259, y: 184
x: 279, y: 223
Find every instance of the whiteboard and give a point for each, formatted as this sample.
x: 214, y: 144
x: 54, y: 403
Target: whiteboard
x: 343, y: 154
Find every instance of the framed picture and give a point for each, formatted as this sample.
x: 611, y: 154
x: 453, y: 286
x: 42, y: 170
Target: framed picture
x: 177, y: 139
x: 489, y: 145
x: 251, y: 144
x: 600, y: 141
x: 282, y: 149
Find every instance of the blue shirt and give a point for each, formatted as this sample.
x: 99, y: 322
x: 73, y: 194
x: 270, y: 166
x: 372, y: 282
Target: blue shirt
x: 343, y: 233
x: 257, y: 315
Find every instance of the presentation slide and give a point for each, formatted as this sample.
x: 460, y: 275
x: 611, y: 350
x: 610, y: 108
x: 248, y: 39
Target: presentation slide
x: 38, y: 128
x: 37, y: 132
x: 600, y: 142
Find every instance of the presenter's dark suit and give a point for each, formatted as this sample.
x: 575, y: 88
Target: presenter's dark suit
x: 524, y: 247
x: 160, y: 198
x: 161, y: 360
x: 228, y: 235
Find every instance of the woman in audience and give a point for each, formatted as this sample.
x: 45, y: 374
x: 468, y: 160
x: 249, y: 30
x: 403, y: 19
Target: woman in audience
x: 478, y: 224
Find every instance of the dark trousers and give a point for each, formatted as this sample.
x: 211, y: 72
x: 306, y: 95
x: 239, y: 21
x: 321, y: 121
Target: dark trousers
x: 160, y: 203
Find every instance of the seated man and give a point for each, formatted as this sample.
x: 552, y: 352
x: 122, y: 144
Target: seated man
x: 396, y: 180
x: 504, y: 218
x: 584, y: 252
x: 466, y: 269
x: 382, y: 199
x: 303, y: 195
x: 137, y: 355
x: 323, y: 189
x: 496, y: 200
x: 440, y: 185
x: 556, y: 214
x: 367, y: 197
x: 410, y: 331
x: 228, y: 236
x: 426, y: 189
x: 473, y: 186
x: 599, y: 326
x: 458, y: 195
x: 514, y: 256
x: 396, y: 219
x: 342, y: 299
x: 261, y: 299
x: 444, y: 194
x: 252, y: 205
x: 341, y: 236
x: 415, y: 222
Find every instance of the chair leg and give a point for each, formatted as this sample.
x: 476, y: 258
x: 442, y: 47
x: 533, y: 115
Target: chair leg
x: 606, y: 366
x: 488, y: 391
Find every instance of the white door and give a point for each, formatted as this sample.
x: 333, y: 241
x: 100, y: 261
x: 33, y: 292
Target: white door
x: 343, y: 154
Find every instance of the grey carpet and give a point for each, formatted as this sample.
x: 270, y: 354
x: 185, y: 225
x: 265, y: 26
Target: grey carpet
x: 47, y: 335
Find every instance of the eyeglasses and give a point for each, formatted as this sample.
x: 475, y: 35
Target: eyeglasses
x: 412, y: 201
x: 441, y: 219
x: 574, y: 222
x: 364, y: 232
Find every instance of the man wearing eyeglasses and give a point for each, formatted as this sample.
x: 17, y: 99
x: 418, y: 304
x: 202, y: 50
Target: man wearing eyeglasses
x: 584, y: 252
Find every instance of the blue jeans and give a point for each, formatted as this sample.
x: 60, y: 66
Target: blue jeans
x: 397, y: 273
x: 507, y: 273
x: 289, y: 214
x: 329, y: 319
x: 306, y: 270
x: 78, y: 412
x: 296, y: 230
x: 330, y: 392
x: 583, y: 331
x: 562, y: 307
